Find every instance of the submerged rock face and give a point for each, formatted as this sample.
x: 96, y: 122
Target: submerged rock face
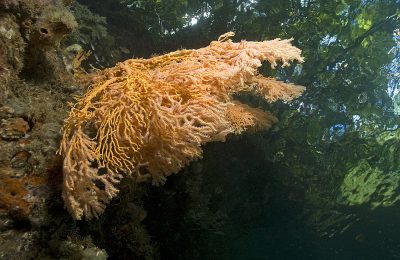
x: 53, y: 24
x: 30, y: 36
x: 30, y: 120
x: 11, y: 51
x: 13, y: 128
x: 28, y: 169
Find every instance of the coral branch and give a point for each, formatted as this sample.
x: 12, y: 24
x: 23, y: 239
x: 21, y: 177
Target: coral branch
x: 148, y: 118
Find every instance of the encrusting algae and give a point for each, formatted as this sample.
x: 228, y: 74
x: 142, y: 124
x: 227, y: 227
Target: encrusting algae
x: 148, y: 118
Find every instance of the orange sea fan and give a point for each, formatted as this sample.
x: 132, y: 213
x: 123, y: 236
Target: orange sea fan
x: 148, y: 118
x: 243, y: 117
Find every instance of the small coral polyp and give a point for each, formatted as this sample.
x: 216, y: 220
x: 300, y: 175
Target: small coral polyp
x: 148, y: 118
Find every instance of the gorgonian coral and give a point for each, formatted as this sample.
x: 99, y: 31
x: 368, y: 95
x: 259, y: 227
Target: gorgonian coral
x: 148, y: 118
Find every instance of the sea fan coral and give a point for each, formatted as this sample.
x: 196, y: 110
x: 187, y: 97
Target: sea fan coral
x: 147, y: 118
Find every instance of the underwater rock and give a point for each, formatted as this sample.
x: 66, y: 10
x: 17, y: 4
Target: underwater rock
x: 43, y: 60
x: 13, y: 128
x: 80, y: 248
x: 54, y: 23
x: 12, y: 193
x: 68, y: 2
x: 11, y: 52
x: 18, y: 244
x: 8, y: 4
x: 30, y: 36
x: 6, y: 112
x: 20, y: 159
x: 30, y: 120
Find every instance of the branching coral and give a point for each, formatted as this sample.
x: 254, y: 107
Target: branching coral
x: 147, y: 118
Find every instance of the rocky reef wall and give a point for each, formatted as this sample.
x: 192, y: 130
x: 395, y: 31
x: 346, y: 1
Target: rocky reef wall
x: 34, y: 89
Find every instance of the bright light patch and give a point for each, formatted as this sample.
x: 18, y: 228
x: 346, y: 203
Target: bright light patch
x: 328, y: 40
x: 193, y: 21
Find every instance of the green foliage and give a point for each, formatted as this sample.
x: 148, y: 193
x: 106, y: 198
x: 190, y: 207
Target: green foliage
x: 366, y: 185
x: 92, y: 27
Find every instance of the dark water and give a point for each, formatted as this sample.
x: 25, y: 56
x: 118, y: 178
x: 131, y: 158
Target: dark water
x: 324, y: 182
